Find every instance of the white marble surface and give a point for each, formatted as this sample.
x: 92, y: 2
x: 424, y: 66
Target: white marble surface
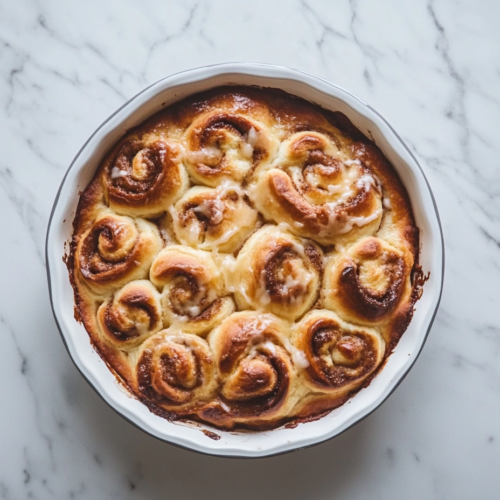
x: 432, y: 69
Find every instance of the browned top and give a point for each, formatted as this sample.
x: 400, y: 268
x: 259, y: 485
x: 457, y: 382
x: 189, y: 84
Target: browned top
x: 244, y: 258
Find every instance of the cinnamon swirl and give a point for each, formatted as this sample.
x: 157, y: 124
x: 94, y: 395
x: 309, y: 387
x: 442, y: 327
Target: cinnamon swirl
x: 224, y: 144
x: 319, y: 191
x: 116, y: 250
x: 244, y: 259
x: 144, y: 178
x: 278, y: 272
x: 366, y: 282
x: 175, y: 370
x: 256, y: 370
x: 193, y: 288
x: 340, y: 355
x: 131, y: 315
x: 218, y: 219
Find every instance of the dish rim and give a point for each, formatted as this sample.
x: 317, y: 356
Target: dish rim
x: 264, y: 72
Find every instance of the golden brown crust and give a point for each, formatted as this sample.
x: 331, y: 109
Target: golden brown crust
x: 264, y: 325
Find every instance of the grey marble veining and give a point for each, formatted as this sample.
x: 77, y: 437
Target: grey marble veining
x: 431, y: 68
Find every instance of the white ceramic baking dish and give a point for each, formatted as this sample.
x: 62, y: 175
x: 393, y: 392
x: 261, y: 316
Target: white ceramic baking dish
x: 151, y: 100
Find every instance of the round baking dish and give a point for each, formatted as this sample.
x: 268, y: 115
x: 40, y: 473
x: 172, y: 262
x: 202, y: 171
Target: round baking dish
x: 197, y: 437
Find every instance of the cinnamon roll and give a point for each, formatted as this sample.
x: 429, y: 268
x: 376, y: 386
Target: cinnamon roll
x: 256, y: 202
x: 131, y: 315
x: 115, y: 250
x: 193, y: 294
x: 318, y: 191
x: 144, y: 178
x: 224, y: 146
x: 340, y: 355
x: 176, y: 370
x: 278, y: 272
x: 365, y: 282
x: 257, y: 374
x: 219, y: 219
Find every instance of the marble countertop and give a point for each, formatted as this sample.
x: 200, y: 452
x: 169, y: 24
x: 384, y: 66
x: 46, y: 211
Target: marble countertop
x: 432, y: 69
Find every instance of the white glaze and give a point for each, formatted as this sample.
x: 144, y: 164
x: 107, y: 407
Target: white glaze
x: 204, y: 155
x: 116, y: 173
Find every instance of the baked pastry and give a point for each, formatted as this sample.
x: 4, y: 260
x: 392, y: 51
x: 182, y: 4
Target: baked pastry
x: 245, y: 259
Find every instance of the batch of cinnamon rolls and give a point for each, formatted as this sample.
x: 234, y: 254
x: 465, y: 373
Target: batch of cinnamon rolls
x: 244, y: 259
